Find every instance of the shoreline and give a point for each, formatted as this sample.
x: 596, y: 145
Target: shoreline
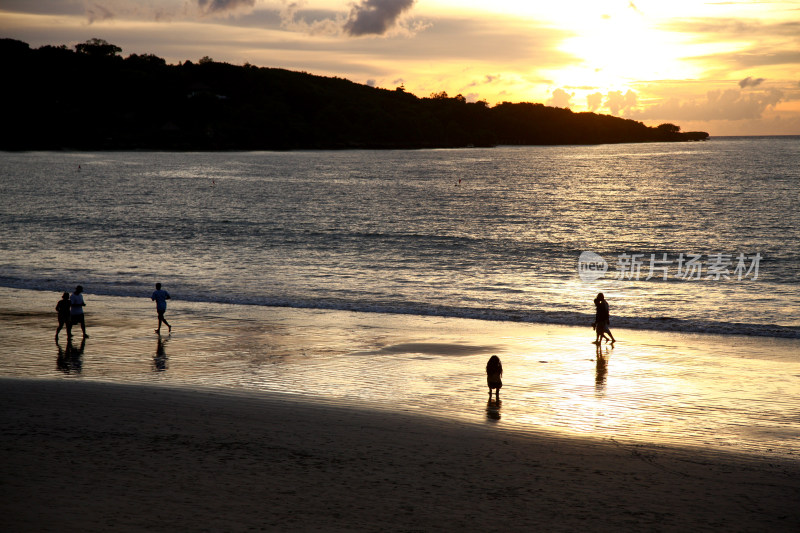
x: 534, y: 317
x: 86, y: 456
x: 651, y: 388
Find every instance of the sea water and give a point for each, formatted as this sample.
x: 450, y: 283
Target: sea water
x: 696, y: 237
x: 389, y: 278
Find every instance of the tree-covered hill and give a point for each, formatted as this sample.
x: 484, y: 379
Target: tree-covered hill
x: 92, y: 98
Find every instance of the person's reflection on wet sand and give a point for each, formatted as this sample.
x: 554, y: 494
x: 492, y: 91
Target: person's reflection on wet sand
x: 601, y: 371
x: 160, y: 358
x: 70, y: 359
x: 493, y: 410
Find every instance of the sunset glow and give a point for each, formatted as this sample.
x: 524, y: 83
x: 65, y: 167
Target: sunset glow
x: 724, y: 67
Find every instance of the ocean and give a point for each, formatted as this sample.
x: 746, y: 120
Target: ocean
x: 387, y: 278
x: 690, y: 237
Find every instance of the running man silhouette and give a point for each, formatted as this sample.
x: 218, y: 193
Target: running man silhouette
x: 160, y: 297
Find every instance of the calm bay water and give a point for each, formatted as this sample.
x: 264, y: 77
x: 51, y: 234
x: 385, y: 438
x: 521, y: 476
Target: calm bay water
x: 481, y: 233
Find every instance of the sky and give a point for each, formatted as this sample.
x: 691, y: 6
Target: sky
x: 725, y: 67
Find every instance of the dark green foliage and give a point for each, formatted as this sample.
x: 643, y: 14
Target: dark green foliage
x: 94, y: 99
x: 98, y: 48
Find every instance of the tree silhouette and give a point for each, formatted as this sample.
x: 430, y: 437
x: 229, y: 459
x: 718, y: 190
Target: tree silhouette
x: 98, y: 48
x: 141, y: 102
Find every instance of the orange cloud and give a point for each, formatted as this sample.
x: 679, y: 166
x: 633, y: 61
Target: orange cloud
x: 560, y: 98
x: 730, y: 104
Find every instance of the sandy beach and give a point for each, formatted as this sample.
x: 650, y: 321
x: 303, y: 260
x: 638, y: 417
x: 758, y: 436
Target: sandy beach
x: 81, y: 456
x: 251, y: 419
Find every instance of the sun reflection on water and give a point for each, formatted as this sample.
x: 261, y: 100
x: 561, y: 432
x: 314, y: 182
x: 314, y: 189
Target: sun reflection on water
x: 685, y: 389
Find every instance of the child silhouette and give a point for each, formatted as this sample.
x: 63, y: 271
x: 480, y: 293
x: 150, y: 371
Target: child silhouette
x: 494, y: 371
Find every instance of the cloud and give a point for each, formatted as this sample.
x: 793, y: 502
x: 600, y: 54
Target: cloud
x: 731, y: 104
x: 163, y: 10
x: 594, y: 101
x: 751, y: 82
x: 487, y: 80
x: 758, y: 58
x: 375, y: 17
x: 560, y: 98
x: 472, y: 47
x: 369, y: 17
x: 218, y: 7
x: 731, y: 29
x: 778, y: 40
x: 294, y: 18
x: 616, y: 101
x: 96, y: 12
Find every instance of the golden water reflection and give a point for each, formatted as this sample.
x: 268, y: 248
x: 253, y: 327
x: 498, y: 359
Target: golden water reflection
x: 704, y: 390
x: 653, y: 387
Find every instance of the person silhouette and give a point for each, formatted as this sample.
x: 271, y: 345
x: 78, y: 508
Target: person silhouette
x: 602, y: 334
x: 160, y: 297
x: 602, y: 319
x: 64, y: 317
x: 76, y: 309
x: 494, y: 373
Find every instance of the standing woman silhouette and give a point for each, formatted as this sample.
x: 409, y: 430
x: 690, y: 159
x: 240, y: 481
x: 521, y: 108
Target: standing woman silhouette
x: 494, y: 371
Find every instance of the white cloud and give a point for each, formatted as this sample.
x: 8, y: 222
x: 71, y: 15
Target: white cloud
x: 594, y: 101
x: 730, y: 104
x: 560, y: 98
x: 617, y: 102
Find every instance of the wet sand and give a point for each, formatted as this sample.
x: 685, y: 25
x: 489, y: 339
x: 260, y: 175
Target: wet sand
x: 85, y: 456
x: 295, y: 420
x: 729, y: 393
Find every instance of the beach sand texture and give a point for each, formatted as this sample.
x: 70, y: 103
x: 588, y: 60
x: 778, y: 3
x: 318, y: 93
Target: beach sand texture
x: 107, y: 457
x: 294, y: 420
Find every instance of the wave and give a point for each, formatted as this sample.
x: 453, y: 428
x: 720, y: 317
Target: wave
x: 566, y: 318
x: 551, y: 317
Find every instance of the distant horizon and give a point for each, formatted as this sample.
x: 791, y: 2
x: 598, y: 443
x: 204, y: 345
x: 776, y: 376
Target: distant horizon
x: 778, y: 135
x: 731, y: 69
